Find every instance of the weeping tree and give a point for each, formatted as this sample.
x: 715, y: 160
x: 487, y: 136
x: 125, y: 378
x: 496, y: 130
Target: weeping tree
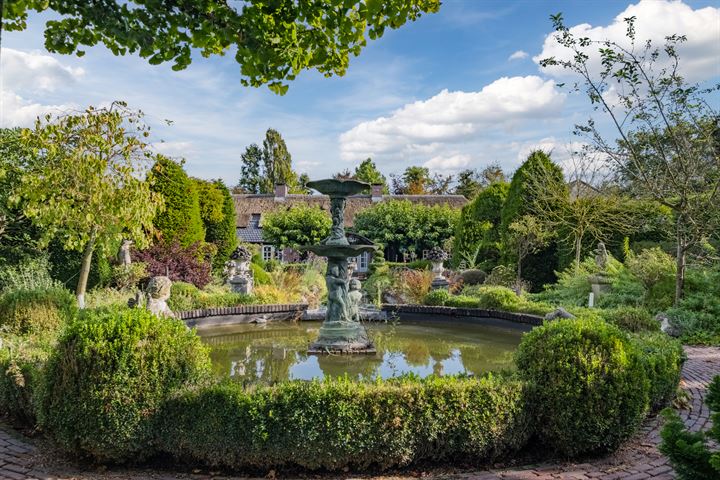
x: 85, y: 186
x: 667, y: 141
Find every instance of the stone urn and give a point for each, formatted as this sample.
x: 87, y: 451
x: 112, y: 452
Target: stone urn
x: 437, y: 257
x: 238, y: 272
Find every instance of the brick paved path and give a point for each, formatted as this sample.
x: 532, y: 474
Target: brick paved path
x: 638, y: 459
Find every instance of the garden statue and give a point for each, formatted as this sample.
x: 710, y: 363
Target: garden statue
x: 155, y: 297
x: 237, y: 271
x: 341, y: 332
x: 124, y: 253
x: 601, y: 256
x: 355, y: 297
x: 352, y: 266
x: 437, y: 257
x: 600, y: 283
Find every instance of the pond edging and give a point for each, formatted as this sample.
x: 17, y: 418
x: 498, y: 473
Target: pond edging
x: 524, y: 318
x: 206, y: 317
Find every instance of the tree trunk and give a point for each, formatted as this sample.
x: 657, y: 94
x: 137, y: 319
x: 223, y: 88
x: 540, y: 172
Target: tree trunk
x: 578, y: 251
x: 85, y: 271
x: 680, y: 275
x: 518, y: 282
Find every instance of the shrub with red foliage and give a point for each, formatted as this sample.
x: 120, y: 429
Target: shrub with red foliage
x: 192, y: 264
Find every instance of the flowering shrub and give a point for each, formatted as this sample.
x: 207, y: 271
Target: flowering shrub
x: 191, y: 264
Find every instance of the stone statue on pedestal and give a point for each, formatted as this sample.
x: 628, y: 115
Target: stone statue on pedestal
x: 155, y: 297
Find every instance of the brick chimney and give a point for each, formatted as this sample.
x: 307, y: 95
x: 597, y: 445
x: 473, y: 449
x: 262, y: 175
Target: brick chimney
x: 281, y: 191
x: 377, y: 192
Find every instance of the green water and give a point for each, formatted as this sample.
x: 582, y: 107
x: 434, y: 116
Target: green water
x: 272, y: 352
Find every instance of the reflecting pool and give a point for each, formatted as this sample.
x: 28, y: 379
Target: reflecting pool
x: 275, y: 351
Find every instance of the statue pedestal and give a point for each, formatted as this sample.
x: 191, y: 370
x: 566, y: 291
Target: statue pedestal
x: 242, y: 285
x: 599, y: 285
x: 342, y: 337
x: 439, y: 282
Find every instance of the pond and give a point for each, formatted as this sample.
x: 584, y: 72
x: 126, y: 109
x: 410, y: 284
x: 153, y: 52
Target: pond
x: 276, y: 351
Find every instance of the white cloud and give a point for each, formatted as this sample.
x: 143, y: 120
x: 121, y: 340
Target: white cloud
x: 18, y: 112
x: 31, y: 71
x: 655, y: 19
x: 450, y: 163
x: 428, y: 126
x: 519, y: 55
x: 174, y: 149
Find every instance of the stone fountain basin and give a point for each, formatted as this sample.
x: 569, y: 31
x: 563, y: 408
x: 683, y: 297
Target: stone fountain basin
x: 339, y: 251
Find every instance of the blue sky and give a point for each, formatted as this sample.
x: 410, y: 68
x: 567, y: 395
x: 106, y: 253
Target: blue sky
x: 457, y: 89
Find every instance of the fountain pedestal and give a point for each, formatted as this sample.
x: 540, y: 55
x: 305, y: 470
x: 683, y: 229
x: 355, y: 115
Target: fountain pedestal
x: 340, y: 331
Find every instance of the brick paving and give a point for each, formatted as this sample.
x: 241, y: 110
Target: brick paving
x: 639, y: 459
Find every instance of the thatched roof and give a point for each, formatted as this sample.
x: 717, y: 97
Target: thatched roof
x: 248, y: 205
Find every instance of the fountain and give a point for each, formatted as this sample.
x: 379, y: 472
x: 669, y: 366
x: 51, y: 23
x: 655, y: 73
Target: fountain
x: 341, y: 332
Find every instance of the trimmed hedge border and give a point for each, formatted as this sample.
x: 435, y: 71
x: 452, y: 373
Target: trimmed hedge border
x: 464, y: 312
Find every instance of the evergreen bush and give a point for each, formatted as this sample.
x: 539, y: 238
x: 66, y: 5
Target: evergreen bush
x: 690, y: 453
x: 36, y: 311
x: 437, y: 297
x: 180, y: 220
x: 631, y: 319
x: 662, y: 359
x: 108, y: 376
x: 588, y: 384
x: 337, y: 424
x: 473, y: 277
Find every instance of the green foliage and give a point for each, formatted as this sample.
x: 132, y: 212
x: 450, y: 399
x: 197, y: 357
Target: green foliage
x: 436, y: 297
x: 367, y: 172
x: 251, y: 180
x: 277, y: 163
x: 180, y: 220
x: 128, y: 276
x: 473, y: 277
x: 30, y: 274
x: 476, y: 231
x: 37, y: 310
x: 340, y: 423
x: 22, y: 359
x: 656, y: 270
x: 217, y: 210
x: 18, y: 236
x: 402, y: 226
x: 260, y: 276
x: 298, y: 225
x: 85, y: 188
x: 317, y: 35
x: 697, y: 315
x: 65, y: 265
x: 662, y: 359
x: 631, y: 319
x: 494, y: 297
x: 539, y: 267
x: 689, y: 452
x: 108, y: 376
x: 589, y: 388
x: 186, y: 296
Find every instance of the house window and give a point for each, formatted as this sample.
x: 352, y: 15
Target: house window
x: 279, y: 254
x: 363, y: 261
x: 425, y: 254
x: 267, y: 252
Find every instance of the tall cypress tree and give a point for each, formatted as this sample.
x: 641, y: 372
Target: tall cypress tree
x: 538, y: 268
x: 222, y: 231
x: 180, y: 220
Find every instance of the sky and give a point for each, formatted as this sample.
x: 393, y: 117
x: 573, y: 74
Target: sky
x: 458, y: 89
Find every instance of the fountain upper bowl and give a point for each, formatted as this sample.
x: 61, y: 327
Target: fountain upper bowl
x: 338, y: 187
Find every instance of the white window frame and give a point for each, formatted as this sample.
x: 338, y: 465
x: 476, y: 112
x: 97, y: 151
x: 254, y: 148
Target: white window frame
x: 363, y: 261
x: 280, y: 255
x: 267, y: 252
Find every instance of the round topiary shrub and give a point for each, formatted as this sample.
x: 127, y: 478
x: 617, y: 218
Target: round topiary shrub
x: 589, y: 388
x: 473, y: 277
x: 35, y: 311
x: 437, y: 297
x: 494, y: 297
x: 109, y: 375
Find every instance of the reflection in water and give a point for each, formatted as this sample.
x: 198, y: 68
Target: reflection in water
x: 273, y: 352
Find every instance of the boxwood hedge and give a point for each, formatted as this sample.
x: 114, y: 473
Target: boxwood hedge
x: 341, y: 423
